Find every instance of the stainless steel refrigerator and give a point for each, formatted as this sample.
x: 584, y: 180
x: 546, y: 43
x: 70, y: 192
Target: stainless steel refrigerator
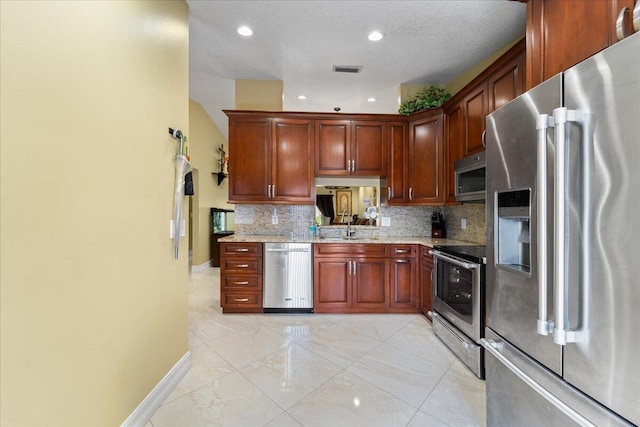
x: 563, y: 248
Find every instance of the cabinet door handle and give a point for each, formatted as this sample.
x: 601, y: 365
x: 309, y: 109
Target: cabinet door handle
x: 388, y: 193
x: 273, y: 191
x: 241, y: 299
x: 241, y: 283
x: 636, y: 16
x: 353, y: 165
x: 355, y: 266
x: 410, y: 193
x: 621, y: 27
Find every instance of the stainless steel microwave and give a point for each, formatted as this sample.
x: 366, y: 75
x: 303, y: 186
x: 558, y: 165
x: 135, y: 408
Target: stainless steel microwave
x: 471, y: 178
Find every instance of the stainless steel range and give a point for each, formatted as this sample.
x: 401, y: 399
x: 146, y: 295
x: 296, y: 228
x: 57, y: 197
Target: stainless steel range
x: 458, y: 302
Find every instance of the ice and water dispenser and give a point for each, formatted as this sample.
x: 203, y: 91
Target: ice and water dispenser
x: 513, y: 237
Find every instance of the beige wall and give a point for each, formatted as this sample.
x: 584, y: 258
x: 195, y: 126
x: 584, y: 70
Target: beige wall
x: 93, y: 305
x: 463, y: 79
x: 264, y: 95
x: 408, y: 90
x: 204, y: 140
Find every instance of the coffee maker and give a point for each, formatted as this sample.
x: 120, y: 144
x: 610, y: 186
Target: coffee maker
x: 438, y: 228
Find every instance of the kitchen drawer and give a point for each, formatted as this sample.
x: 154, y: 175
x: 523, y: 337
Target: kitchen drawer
x: 404, y: 251
x: 351, y: 249
x: 241, y: 301
x: 241, y: 266
x: 242, y: 282
x: 240, y: 249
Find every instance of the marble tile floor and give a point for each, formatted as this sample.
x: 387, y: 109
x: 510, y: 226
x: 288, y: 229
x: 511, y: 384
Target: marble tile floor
x: 316, y: 370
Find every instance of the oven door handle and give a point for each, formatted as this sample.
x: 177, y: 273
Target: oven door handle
x: 467, y: 265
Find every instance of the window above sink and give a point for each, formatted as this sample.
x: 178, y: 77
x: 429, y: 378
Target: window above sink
x: 349, y: 199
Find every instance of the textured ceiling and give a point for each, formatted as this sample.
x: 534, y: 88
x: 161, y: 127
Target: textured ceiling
x: 298, y: 42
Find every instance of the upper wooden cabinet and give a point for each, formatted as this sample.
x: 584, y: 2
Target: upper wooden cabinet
x: 466, y: 112
x: 454, y: 144
x: 426, y: 159
x: 507, y: 83
x: 562, y: 33
x: 249, y: 158
x: 396, y: 182
x: 270, y: 160
x: 292, y: 160
x: 350, y: 147
x: 415, y: 170
x: 476, y: 106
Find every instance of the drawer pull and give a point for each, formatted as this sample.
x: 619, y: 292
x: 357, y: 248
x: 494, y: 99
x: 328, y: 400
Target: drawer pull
x: 403, y: 251
x: 403, y: 261
x: 241, y: 283
x: 241, y: 299
x: 242, y: 266
x: 242, y: 250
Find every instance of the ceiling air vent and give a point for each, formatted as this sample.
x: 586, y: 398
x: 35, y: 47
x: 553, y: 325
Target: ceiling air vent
x: 354, y: 69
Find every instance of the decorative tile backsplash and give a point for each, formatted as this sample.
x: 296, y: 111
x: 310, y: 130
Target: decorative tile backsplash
x: 294, y: 221
x: 474, y: 213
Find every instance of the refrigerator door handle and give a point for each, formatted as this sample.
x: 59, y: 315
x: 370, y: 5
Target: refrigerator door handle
x: 544, y: 326
x: 494, y: 347
x: 562, y: 333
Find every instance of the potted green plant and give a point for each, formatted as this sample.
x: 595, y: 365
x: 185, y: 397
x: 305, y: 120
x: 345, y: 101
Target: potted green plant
x: 427, y: 98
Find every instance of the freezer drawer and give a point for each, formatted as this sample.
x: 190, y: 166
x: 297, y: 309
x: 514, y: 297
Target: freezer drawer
x: 520, y: 392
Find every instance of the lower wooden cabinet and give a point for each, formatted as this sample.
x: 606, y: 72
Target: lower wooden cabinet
x: 403, y: 279
x: 332, y: 285
x: 241, y: 277
x: 348, y: 278
x: 426, y: 268
x: 365, y: 278
x: 370, y: 284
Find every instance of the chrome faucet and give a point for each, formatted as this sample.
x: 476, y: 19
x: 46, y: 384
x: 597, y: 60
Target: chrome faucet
x: 349, y: 231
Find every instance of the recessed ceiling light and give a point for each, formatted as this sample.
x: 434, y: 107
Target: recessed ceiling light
x: 245, y: 31
x: 371, y: 99
x: 302, y: 97
x: 375, y: 36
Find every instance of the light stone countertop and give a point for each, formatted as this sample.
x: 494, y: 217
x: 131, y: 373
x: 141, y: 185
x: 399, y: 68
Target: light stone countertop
x: 425, y: 241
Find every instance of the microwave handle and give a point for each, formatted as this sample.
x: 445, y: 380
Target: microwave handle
x: 484, y: 138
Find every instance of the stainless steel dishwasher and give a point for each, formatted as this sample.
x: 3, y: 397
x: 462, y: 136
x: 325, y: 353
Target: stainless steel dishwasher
x: 288, y: 278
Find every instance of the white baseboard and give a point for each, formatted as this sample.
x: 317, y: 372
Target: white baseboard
x: 201, y: 267
x: 160, y: 392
